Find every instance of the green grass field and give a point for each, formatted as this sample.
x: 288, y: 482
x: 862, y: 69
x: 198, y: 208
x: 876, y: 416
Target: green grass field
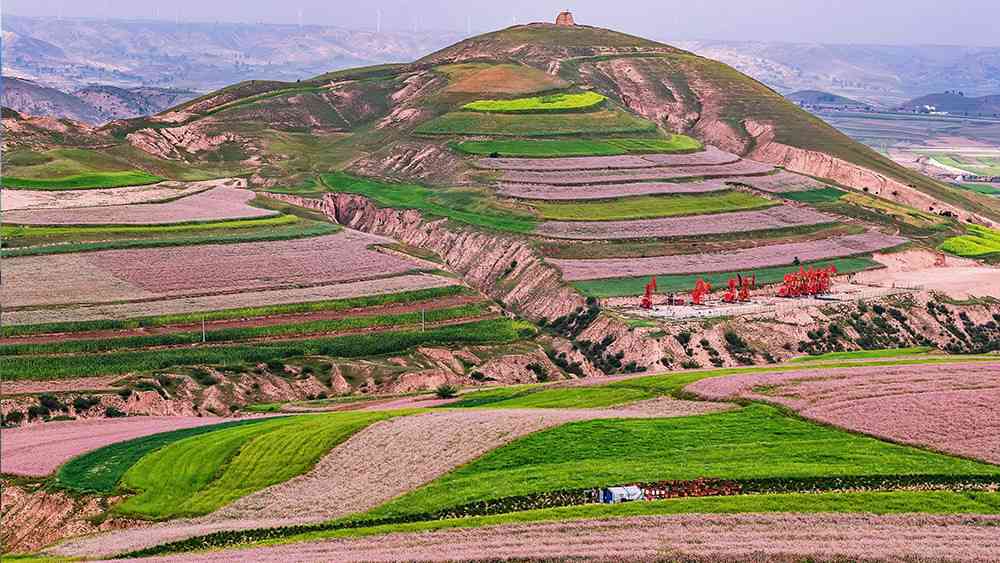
x: 243, y: 312
x: 533, y: 397
x: 469, y: 206
x: 289, y: 330
x: 540, y: 104
x: 100, y: 471
x: 601, y: 122
x: 651, y: 207
x: 755, y: 442
x: 623, y: 287
x: 978, y: 242
x: 985, y: 189
x: 24, y: 240
x: 200, y: 474
x: 866, y: 354
x: 517, y: 148
x: 821, y: 195
x: 87, y: 181
x: 351, y: 346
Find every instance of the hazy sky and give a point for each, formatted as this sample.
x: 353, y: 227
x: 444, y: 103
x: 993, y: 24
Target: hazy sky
x: 958, y: 22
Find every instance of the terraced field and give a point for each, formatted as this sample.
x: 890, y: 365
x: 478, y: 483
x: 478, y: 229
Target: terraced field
x: 979, y: 242
x: 64, y: 199
x: 610, y: 191
x: 653, y: 173
x: 601, y: 122
x: 556, y: 103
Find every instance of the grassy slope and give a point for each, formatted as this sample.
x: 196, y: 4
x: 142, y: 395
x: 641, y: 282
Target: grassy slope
x: 621, y: 287
x: 200, y: 474
x: 100, y: 471
x: 866, y: 354
x: 86, y: 181
x: 651, y: 207
x: 821, y: 195
x: 353, y: 346
x: 601, y: 122
x: 755, y: 442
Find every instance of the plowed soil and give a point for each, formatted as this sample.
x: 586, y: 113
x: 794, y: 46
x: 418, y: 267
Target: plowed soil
x: 592, y: 177
x: 710, y: 156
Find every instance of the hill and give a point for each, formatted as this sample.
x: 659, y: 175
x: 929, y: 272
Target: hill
x: 818, y: 99
x: 30, y: 98
x: 955, y: 102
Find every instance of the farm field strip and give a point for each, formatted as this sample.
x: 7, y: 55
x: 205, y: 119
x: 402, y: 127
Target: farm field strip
x: 610, y: 191
x: 153, y: 193
x: 462, y: 331
x: 599, y: 122
x: 37, y: 450
x: 654, y: 206
x: 782, y: 182
x: 363, y: 472
x: 977, y: 242
x: 212, y: 205
x: 950, y: 409
x: 594, y: 177
x: 540, y: 104
x: 698, y: 537
x: 563, y: 148
x: 709, y: 157
x: 740, y: 260
x: 209, y: 305
x: 114, y: 275
x: 776, y: 217
x: 83, y: 181
x: 756, y: 442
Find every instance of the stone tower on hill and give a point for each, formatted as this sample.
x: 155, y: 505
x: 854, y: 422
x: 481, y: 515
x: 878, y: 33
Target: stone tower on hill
x: 565, y: 18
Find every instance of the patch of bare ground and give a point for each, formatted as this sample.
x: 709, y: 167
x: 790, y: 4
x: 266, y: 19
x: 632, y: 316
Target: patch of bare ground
x: 375, y: 465
x: 710, y: 156
x: 213, y: 205
x: 746, y: 259
x: 37, y: 450
x: 117, y: 275
x: 228, y: 300
x: 777, y: 217
x: 68, y: 199
x: 951, y: 408
x: 958, y: 278
x: 746, y: 537
x: 103, y: 383
x: 781, y: 182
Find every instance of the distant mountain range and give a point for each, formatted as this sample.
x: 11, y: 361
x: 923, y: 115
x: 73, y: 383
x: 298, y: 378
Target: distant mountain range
x: 884, y: 75
x: 95, y: 104
x: 70, y: 54
x: 955, y: 102
x: 817, y: 99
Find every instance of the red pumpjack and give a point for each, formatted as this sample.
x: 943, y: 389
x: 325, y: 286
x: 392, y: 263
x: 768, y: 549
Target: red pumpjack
x: 647, y: 299
x: 701, y: 289
x: 814, y: 281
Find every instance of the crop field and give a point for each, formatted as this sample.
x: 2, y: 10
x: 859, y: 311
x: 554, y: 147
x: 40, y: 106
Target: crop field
x: 978, y: 242
x: 472, y: 207
x: 70, y: 169
x: 741, y: 260
x: 83, y: 181
x: 227, y: 305
x: 381, y: 297
x: 540, y: 104
x: 610, y: 191
x: 115, y: 275
x: 711, y: 156
x: 950, y: 409
x: 821, y: 195
x: 601, y: 122
x: 37, y: 450
x: 153, y: 193
x: 984, y: 165
x: 476, y: 78
x: 200, y: 474
x: 351, y: 346
x: 616, y: 176
x: 783, y: 182
x: 648, y: 207
x: 503, y: 148
x: 213, y: 205
x: 985, y: 189
x: 100, y: 470
x: 622, y: 287
x: 755, y: 442
x: 902, y: 213
x: 714, y: 221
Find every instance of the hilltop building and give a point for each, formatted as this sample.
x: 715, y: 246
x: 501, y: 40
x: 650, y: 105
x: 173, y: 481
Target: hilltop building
x: 565, y: 18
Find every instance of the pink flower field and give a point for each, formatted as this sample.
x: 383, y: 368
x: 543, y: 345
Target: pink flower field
x: 212, y: 205
x: 39, y: 449
x: 710, y: 156
x: 739, y: 221
x: 748, y: 259
x: 951, y: 408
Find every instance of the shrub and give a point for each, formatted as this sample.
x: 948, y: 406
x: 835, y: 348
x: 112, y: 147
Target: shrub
x: 125, y: 393
x: 13, y: 418
x: 37, y: 411
x: 690, y: 364
x: 684, y: 338
x: 541, y: 374
x: 205, y: 378
x: 112, y: 412
x: 446, y: 391
x: 51, y: 403
x: 81, y: 404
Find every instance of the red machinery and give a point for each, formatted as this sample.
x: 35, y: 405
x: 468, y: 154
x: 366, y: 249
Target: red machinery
x: 815, y: 281
x: 647, y: 299
x: 701, y: 289
x: 739, y: 289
